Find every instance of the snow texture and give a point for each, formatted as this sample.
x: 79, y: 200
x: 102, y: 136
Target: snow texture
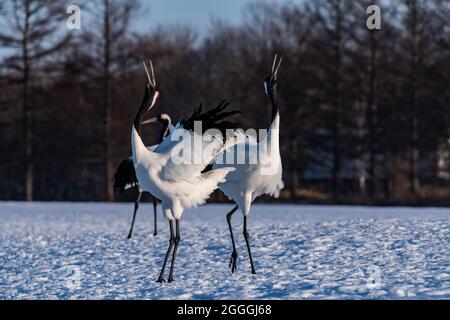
x: 80, y: 251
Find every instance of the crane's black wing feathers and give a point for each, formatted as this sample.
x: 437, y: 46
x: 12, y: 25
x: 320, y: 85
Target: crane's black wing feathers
x: 125, y: 175
x: 212, y: 119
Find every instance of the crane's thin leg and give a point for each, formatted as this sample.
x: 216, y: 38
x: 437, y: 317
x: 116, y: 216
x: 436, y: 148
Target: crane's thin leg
x: 175, y: 249
x: 169, y: 249
x: 248, y: 244
x: 155, y: 206
x: 234, y: 255
x: 136, y: 207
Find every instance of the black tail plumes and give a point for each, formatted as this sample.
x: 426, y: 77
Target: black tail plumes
x: 125, y: 175
x: 212, y: 119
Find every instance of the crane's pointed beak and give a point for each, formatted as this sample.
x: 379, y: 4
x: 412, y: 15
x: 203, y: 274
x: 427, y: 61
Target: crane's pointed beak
x: 150, y: 75
x: 151, y: 120
x: 278, y: 66
x: 153, y: 73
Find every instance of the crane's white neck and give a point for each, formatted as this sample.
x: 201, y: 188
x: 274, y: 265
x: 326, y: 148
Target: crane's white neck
x: 274, y: 129
x: 166, y: 123
x: 272, y: 140
x: 140, y: 152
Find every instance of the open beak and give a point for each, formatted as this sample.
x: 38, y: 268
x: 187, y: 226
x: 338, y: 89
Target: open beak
x: 276, y: 66
x: 150, y: 76
x: 152, y: 82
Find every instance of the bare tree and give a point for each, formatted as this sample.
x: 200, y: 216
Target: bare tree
x: 31, y: 28
x: 331, y: 32
x: 367, y: 52
x: 107, y: 36
x: 420, y: 23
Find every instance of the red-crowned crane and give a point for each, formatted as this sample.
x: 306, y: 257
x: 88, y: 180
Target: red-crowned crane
x: 125, y: 176
x: 262, y: 171
x: 178, y: 184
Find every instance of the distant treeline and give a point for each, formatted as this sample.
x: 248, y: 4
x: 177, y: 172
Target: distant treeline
x: 364, y: 114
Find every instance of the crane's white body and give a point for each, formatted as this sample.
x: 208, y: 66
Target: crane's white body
x: 178, y: 185
x: 131, y: 185
x: 259, y: 174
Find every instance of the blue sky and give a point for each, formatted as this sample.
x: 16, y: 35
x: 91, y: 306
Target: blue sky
x: 197, y: 13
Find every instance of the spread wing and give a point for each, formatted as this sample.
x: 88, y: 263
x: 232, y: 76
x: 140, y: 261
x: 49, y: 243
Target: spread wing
x: 187, y: 153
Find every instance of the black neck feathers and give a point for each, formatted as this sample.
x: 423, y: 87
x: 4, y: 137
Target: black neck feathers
x: 142, y: 110
x: 273, y: 100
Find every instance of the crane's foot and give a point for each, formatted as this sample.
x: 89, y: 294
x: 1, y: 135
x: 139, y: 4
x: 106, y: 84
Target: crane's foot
x: 233, y: 261
x: 170, y: 279
x: 129, y: 236
x: 161, y: 279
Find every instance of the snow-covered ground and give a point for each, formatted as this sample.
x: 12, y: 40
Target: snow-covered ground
x: 67, y: 250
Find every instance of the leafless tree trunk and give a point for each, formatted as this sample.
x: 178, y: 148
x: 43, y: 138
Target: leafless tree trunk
x: 27, y: 129
x: 329, y: 15
x: 371, y: 113
x: 412, y: 26
x: 107, y: 36
x: 336, y: 79
x: 361, y: 169
x: 106, y: 101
